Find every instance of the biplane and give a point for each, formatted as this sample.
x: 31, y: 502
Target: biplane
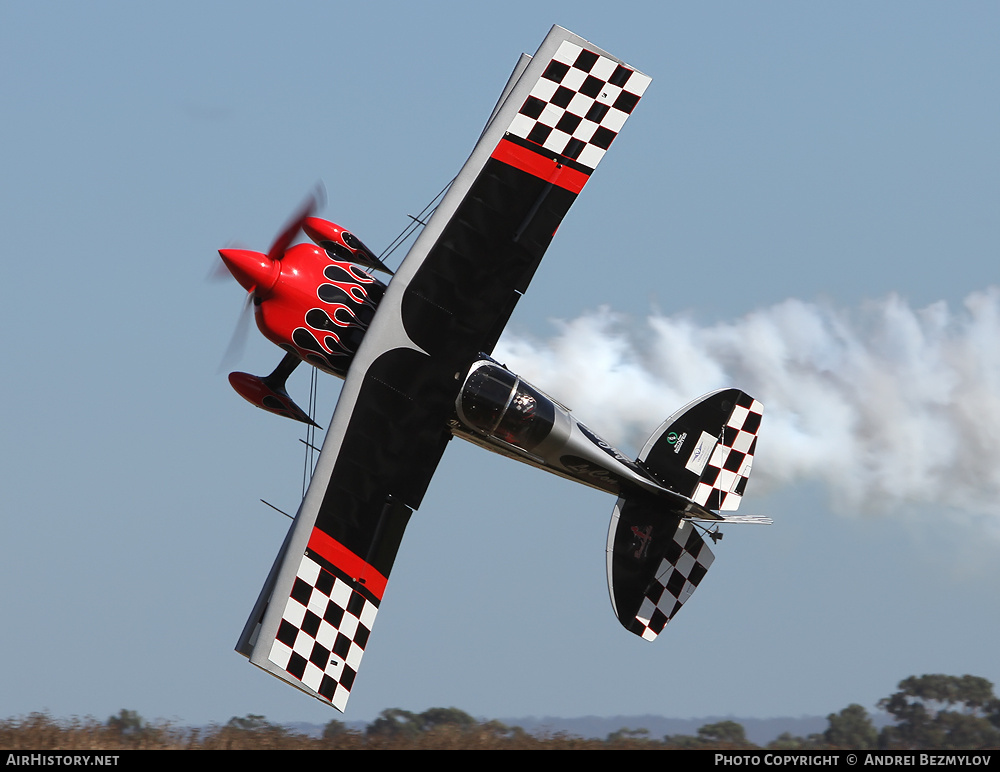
x: 414, y: 353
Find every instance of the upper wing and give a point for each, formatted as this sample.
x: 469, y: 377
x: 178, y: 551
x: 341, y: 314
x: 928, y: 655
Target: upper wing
x: 477, y: 255
x: 449, y: 301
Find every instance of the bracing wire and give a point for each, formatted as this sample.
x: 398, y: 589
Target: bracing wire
x: 417, y: 221
x: 310, y: 441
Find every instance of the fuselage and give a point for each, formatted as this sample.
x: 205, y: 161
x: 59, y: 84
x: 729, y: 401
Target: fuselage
x: 500, y: 411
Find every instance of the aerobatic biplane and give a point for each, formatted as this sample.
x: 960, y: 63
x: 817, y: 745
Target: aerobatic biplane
x: 414, y: 353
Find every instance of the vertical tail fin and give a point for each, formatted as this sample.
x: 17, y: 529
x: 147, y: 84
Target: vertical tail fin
x: 656, y: 555
x: 705, y: 450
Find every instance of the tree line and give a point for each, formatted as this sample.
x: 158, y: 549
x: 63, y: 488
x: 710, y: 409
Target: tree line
x: 928, y: 712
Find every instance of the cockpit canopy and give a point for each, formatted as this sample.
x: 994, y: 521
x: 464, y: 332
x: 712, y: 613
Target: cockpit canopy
x: 496, y: 402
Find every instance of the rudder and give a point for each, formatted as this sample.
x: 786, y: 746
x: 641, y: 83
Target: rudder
x: 705, y: 450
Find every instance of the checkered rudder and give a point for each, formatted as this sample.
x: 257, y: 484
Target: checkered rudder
x: 725, y: 477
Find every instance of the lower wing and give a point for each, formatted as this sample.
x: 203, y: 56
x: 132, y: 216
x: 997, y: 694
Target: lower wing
x: 448, y: 301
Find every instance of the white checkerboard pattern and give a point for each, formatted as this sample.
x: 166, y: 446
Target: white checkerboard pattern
x: 722, y: 483
x: 323, y: 633
x: 677, y: 576
x: 579, y: 105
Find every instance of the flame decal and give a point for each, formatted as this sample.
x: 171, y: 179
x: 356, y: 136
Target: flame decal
x: 333, y: 331
x: 351, y: 270
x: 307, y: 341
x: 344, y: 282
x: 330, y: 345
x: 319, y: 319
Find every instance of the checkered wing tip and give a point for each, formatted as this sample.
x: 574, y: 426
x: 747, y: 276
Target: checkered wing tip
x: 322, y: 635
x: 580, y: 103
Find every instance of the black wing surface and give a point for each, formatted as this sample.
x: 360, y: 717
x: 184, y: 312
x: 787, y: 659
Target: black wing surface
x: 449, y: 300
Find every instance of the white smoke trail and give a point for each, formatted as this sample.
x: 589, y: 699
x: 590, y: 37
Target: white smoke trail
x: 889, y: 406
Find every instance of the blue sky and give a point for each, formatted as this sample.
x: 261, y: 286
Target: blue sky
x: 789, y: 163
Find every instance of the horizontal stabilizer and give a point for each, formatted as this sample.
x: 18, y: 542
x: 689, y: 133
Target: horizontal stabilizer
x: 753, y: 519
x: 656, y: 559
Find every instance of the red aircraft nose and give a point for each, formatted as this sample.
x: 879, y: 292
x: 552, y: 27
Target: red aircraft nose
x: 255, y: 271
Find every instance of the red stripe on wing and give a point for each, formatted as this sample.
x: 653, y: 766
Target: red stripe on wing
x: 540, y: 166
x: 338, y: 555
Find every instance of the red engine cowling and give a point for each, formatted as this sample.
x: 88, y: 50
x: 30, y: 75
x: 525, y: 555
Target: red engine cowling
x: 321, y: 306
x: 309, y: 302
